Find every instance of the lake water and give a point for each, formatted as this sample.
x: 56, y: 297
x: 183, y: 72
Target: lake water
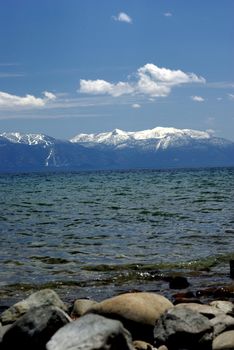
x: 95, y: 234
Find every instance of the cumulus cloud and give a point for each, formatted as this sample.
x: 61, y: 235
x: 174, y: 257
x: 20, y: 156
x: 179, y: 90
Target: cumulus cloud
x: 100, y: 87
x: 149, y: 80
x: 197, y: 98
x: 49, y: 95
x: 168, y: 14
x: 13, y: 101
x: 136, y: 105
x: 123, y: 17
x: 231, y: 96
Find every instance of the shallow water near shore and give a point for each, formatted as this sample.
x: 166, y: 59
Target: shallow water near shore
x: 95, y: 234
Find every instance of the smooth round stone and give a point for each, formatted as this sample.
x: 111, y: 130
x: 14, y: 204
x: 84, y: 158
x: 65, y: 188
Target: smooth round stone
x: 143, y: 308
x: 224, y: 341
x: 81, y: 306
x: 137, y: 311
x: 222, y: 323
x: 223, y: 305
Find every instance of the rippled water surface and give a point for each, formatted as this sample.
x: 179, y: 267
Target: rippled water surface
x: 94, y: 234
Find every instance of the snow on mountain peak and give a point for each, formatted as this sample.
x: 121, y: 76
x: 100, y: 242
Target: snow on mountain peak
x: 162, y: 136
x: 114, y: 137
x: 29, y: 139
x: 160, y: 132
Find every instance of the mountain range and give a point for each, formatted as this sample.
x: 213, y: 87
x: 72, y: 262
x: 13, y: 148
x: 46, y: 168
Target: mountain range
x: 158, y: 148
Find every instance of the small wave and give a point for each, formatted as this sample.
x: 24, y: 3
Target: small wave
x: 198, y: 264
x: 164, y: 214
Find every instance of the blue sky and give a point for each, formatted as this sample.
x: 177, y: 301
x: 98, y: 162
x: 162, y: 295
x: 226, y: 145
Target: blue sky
x: 95, y: 65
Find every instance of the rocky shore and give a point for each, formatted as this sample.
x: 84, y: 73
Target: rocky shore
x: 129, y: 321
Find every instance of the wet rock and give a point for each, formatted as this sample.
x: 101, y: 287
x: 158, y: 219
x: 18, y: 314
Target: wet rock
x: 226, y: 291
x: 45, y: 297
x: 222, y: 323
x: 225, y: 306
x: 186, y: 297
x: 224, y: 341
x: 137, y: 311
x: 35, y: 328
x: 91, y: 332
x: 182, y: 328
x: 205, y: 310
x: 231, y: 263
x: 81, y: 306
x: 178, y: 282
x: 186, y: 301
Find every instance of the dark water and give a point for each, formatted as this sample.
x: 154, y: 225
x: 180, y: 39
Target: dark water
x: 101, y: 233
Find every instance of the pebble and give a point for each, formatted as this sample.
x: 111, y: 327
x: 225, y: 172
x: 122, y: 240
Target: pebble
x: 151, y: 320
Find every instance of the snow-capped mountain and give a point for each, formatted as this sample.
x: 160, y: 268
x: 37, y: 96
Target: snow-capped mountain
x: 118, y: 136
x: 28, y: 139
x: 157, y: 138
x: 155, y: 149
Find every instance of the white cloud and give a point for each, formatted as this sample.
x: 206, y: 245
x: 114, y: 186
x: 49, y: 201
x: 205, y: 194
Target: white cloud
x: 168, y: 14
x: 100, y: 87
x: 49, y: 95
x: 14, y: 101
x: 168, y: 76
x: 136, y: 105
x: 123, y: 17
x: 231, y: 96
x: 150, y: 80
x: 197, y: 98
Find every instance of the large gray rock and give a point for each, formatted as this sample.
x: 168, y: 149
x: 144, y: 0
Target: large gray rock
x: 182, y: 328
x: 224, y: 341
x: 45, y: 297
x: 222, y: 323
x: 137, y: 311
x: 205, y: 310
x: 35, y: 328
x: 91, y: 332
